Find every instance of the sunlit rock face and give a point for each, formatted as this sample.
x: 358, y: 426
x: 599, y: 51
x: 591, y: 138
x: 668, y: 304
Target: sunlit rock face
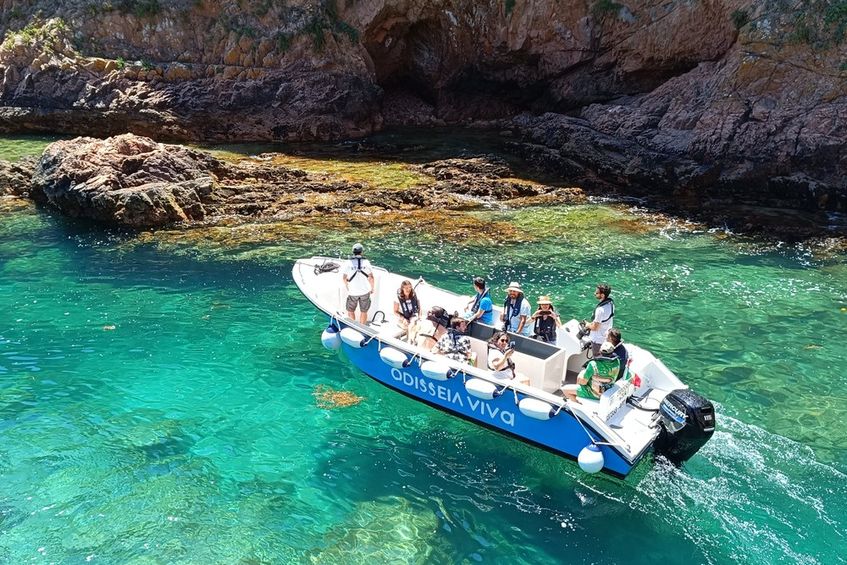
x: 126, y: 180
x: 723, y: 101
x: 136, y: 182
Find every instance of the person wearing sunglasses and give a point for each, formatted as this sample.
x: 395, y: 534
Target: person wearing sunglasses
x: 500, y: 351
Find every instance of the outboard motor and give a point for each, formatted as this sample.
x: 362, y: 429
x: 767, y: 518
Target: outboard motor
x: 688, y: 421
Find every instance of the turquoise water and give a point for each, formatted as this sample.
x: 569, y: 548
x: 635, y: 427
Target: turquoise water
x: 13, y: 147
x: 157, y: 403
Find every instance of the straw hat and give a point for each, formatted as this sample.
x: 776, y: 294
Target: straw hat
x: 514, y: 286
x: 544, y: 300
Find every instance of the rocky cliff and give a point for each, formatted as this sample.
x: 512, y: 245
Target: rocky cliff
x: 711, y: 102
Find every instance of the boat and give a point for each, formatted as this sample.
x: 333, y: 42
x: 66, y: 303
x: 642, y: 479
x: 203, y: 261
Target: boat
x: 651, y: 412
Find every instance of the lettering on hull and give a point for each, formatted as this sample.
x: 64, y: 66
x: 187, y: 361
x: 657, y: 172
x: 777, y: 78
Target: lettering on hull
x: 441, y: 392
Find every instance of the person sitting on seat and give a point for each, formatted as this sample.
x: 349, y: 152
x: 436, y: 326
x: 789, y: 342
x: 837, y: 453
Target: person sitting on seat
x: 596, y: 377
x: 500, y: 359
x: 546, y: 321
x: 433, y: 327
x: 454, y: 344
x: 407, y: 308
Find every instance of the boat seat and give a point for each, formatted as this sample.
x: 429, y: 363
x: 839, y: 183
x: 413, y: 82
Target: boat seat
x: 387, y: 328
x: 480, y: 350
x: 570, y: 377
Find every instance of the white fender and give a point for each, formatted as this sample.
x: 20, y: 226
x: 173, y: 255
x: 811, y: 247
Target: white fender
x: 590, y: 459
x: 330, y: 339
x: 535, y: 408
x: 393, y: 357
x: 352, y: 337
x: 435, y: 370
x: 481, y: 388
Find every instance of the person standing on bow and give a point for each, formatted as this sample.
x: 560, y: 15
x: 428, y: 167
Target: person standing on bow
x: 481, y: 307
x: 515, y: 310
x: 407, y: 308
x: 602, y: 319
x: 359, y: 281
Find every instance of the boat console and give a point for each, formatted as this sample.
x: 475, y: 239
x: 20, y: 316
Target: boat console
x: 542, y: 362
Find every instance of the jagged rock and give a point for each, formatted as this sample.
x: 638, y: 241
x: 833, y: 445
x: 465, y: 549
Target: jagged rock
x: 126, y: 180
x: 15, y: 177
x: 135, y: 182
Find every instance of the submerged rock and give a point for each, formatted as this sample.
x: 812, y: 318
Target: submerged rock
x: 386, y: 530
x: 15, y: 177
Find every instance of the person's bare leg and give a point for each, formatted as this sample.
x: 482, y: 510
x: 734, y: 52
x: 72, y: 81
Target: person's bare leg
x: 571, y: 395
x: 351, y: 314
x: 363, y: 317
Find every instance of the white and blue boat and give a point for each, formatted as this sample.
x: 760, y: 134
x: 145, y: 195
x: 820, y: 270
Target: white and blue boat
x: 655, y: 412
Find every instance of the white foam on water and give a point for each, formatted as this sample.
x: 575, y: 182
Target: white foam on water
x: 743, y: 473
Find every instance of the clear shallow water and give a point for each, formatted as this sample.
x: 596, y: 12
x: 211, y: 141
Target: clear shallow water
x: 13, y: 147
x: 156, y: 404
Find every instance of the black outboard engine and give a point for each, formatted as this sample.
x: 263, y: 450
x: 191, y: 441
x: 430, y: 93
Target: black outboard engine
x: 688, y: 421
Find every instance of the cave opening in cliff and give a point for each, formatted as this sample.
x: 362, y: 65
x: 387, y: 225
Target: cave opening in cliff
x: 426, y: 75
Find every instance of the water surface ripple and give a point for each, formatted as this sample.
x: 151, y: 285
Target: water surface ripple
x: 156, y: 405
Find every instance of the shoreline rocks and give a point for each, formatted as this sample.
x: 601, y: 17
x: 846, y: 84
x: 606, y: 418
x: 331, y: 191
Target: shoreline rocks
x: 15, y: 178
x: 697, y: 106
x: 134, y: 182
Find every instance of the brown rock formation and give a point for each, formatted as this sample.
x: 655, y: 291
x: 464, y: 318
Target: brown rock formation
x: 15, y: 177
x: 127, y: 180
x: 135, y: 182
x: 713, y: 102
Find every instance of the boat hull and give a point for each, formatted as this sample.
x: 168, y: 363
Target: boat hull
x: 562, y: 434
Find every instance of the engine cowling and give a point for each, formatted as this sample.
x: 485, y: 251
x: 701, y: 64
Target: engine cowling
x: 687, y: 421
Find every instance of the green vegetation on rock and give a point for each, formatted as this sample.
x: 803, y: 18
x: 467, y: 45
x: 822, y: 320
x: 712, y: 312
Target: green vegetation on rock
x: 36, y: 31
x: 819, y: 23
x: 328, y: 19
x: 601, y: 8
x: 140, y: 8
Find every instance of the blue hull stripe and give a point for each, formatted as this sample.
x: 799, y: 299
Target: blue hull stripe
x: 561, y: 435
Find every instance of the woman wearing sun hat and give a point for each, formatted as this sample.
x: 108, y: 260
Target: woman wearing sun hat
x: 515, y: 310
x: 546, y: 321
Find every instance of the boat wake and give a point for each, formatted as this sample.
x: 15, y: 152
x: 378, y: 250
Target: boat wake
x: 744, y: 474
